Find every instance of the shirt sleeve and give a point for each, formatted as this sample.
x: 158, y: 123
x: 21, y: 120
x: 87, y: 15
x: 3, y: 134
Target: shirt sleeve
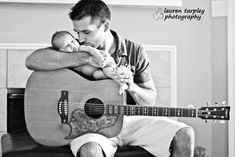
x: 142, y: 71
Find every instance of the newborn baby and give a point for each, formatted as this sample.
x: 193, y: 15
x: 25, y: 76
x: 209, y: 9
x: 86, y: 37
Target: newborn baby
x: 65, y: 42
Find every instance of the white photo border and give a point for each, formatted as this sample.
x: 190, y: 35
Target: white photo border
x: 146, y: 3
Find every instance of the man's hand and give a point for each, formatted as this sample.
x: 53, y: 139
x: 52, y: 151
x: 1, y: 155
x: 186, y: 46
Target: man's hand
x: 142, y: 93
x: 123, y: 75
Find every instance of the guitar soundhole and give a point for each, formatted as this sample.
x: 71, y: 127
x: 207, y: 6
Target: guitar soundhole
x: 94, y: 108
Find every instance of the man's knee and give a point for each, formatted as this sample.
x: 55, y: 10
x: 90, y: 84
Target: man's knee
x: 91, y: 149
x: 183, y: 143
x: 185, y: 135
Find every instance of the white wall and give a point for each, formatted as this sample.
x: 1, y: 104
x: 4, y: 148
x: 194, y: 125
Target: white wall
x: 219, y: 82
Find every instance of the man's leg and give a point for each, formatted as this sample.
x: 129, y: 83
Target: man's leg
x: 183, y: 143
x: 93, y: 144
x: 91, y: 149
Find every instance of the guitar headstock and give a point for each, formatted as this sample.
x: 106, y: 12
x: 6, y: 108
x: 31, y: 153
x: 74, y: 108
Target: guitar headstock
x: 214, y: 112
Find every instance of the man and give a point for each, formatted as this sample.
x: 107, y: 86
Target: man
x: 160, y: 136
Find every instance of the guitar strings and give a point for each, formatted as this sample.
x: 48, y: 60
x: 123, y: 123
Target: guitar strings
x: 77, y: 104
x: 138, y: 110
x: 131, y: 105
x: 126, y: 109
x: 129, y: 108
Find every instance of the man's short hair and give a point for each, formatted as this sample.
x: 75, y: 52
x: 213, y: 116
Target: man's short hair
x: 96, y: 9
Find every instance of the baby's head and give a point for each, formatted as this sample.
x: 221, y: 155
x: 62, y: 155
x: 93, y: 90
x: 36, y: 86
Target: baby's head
x: 64, y: 41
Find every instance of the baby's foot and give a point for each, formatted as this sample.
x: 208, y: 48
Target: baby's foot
x: 122, y: 88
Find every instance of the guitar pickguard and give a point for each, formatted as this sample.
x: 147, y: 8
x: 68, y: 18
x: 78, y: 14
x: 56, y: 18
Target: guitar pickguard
x: 81, y: 124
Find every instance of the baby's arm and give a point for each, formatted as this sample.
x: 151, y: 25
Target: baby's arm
x: 95, y: 53
x: 92, y: 72
x: 87, y: 70
x: 99, y: 75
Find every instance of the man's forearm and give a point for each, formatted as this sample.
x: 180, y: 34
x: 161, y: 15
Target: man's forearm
x: 49, y: 59
x: 143, y: 96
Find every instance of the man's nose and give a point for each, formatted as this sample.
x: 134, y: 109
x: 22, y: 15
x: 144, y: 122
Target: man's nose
x: 81, y: 38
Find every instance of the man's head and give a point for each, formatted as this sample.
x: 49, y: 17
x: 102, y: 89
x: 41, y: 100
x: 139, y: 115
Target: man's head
x: 91, y: 20
x: 64, y: 41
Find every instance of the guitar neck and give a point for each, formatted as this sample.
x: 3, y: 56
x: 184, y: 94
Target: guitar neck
x: 132, y: 110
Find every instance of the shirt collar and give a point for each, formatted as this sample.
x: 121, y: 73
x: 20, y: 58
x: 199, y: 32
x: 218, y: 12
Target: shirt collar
x: 121, y: 46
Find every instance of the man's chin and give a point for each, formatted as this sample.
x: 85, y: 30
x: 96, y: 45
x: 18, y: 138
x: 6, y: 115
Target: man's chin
x: 86, y: 44
x: 91, y: 45
x: 76, y: 49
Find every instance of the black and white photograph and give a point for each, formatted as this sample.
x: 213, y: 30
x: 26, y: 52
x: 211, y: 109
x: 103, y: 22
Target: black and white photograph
x: 117, y: 78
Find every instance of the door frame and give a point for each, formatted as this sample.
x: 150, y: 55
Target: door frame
x: 231, y: 74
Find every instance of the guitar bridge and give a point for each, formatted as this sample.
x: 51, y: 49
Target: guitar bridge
x: 62, y: 106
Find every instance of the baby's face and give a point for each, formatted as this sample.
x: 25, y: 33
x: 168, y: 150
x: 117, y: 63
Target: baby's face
x: 70, y: 44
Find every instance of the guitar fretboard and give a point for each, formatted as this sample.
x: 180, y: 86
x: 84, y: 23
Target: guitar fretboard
x: 149, y: 111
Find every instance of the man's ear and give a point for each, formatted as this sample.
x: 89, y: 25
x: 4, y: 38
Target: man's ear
x: 106, y: 25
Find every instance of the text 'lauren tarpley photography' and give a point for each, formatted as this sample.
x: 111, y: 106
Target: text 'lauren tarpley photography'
x: 178, y: 14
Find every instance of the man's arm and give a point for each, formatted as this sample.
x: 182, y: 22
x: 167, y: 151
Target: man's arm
x: 142, y: 93
x: 50, y: 59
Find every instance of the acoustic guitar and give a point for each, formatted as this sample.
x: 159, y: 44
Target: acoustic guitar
x: 61, y: 105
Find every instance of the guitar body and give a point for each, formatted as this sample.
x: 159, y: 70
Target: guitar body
x: 61, y: 105
x: 58, y: 107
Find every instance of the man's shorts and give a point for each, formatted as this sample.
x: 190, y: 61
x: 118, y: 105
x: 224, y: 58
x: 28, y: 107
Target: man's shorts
x: 152, y: 133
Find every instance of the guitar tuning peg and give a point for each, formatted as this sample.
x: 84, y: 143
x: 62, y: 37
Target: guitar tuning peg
x: 216, y: 103
x: 190, y: 106
x: 215, y: 121
x: 207, y: 103
x: 206, y: 121
x: 223, y: 103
